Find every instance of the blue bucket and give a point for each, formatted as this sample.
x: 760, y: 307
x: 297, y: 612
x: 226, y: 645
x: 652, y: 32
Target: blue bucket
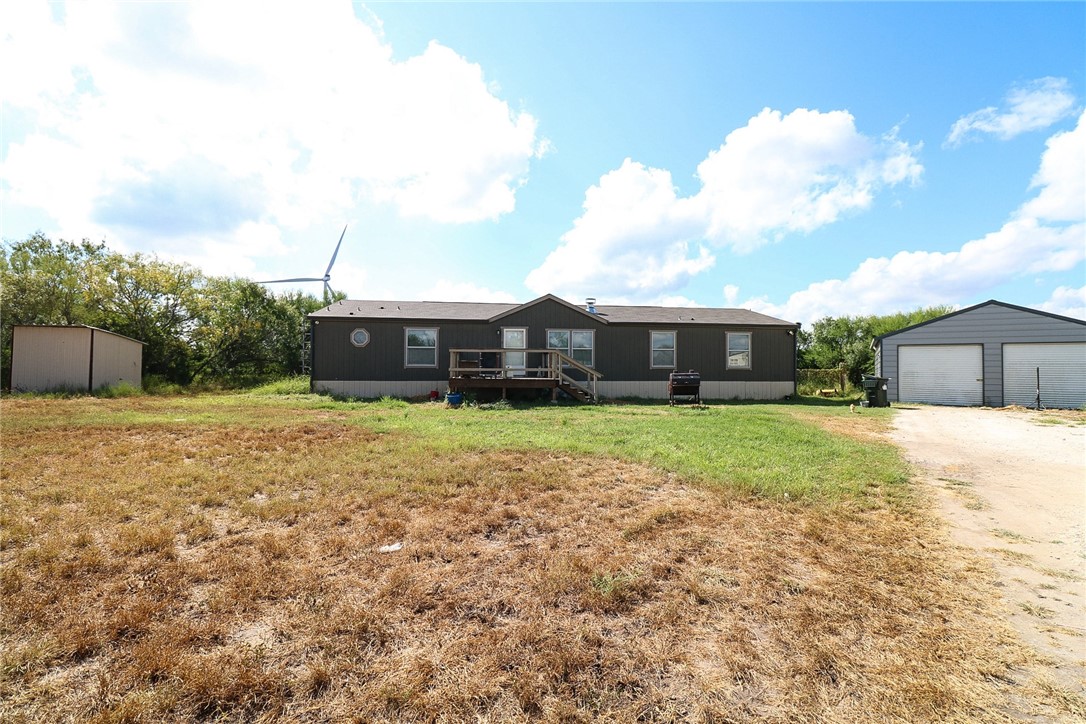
x: 454, y: 398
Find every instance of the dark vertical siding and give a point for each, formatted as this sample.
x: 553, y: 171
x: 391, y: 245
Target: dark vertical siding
x: 541, y: 317
x: 624, y: 353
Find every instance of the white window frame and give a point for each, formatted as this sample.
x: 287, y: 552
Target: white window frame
x: 407, y: 347
x: 563, y: 350
x: 591, y: 364
x: 728, y: 350
x: 568, y: 349
x: 364, y: 331
x: 674, y: 349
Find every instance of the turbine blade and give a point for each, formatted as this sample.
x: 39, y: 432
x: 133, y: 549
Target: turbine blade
x: 299, y: 279
x: 335, y: 253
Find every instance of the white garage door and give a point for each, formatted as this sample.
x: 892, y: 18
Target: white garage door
x: 1063, y: 374
x: 943, y: 374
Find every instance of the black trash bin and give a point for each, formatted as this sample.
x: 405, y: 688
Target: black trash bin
x: 875, y: 391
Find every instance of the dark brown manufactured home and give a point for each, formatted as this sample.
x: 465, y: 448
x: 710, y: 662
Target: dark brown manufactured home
x: 406, y: 349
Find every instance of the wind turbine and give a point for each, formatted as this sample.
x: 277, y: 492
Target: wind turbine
x: 328, y: 293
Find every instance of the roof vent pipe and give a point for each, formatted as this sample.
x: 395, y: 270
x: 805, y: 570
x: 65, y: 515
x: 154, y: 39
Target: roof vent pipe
x: 590, y: 305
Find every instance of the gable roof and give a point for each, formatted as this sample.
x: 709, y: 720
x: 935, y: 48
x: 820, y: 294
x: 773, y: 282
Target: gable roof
x: 549, y: 298
x: 494, y: 311
x: 875, y: 342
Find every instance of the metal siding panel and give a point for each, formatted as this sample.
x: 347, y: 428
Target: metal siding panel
x: 993, y: 324
x: 941, y: 374
x: 116, y: 359
x: 1062, y: 371
x: 50, y: 358
x: 710, y: 390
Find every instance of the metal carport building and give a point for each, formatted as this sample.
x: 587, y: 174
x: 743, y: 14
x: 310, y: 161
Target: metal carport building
x: 990, y: 354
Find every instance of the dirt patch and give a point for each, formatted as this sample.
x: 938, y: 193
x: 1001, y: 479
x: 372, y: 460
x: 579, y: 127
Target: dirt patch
x: 1012, y: 484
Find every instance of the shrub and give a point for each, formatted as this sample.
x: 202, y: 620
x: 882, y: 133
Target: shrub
x: 159, y: 385
x: 120, y: 389
x: 295, y: 385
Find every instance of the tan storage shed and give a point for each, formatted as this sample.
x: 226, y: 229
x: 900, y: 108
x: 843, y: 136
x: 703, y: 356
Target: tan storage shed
x: 81, y: 359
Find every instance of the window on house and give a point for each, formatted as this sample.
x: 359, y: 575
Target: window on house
x: 663, y: 349
x: 580, y: 344
x: 738, y: 350
x: 360, y: 338
x: 421, y: 347
x: 558, y: 339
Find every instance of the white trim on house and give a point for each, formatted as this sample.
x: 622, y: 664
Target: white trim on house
x: 710, y: 390
x: 728, y: 350
x: 674, y: 349
x: 407, y: 348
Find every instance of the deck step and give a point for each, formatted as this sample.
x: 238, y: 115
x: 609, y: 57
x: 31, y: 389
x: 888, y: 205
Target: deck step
x: 577, y: 392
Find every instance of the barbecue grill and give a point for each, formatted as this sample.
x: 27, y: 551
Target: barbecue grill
x: 684, y: 384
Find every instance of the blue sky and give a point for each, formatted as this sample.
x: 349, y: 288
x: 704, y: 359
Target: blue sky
x: 803, y: 160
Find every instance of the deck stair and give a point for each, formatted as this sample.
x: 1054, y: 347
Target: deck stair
x: 486, y: 369
x: 574, y: 389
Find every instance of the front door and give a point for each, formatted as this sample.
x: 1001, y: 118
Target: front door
x: 513, y: 339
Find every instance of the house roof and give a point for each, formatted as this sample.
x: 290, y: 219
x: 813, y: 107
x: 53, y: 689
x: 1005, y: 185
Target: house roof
x: 494, y: 311
x: 878, y: 340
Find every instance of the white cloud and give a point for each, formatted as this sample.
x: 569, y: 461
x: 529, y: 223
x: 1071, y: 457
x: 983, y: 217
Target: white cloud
x: 1067, y: 301
x: 1030, y: 107
x: 191, y: 120
x: 731, y: 295
x: 777, y: 175
x: 635, y: 239
x: 1061, y: 179
x: 1046, y: 234
x: 445, y: 291
x: 792, y: 173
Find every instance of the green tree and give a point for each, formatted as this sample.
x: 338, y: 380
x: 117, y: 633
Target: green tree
x: 846, y: 341
x: 247, y: 332
x: 301, y: 306
x: 46, y: 283
x: 158, y: 303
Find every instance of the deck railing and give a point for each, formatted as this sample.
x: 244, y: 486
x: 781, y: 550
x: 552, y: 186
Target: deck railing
x: 540, y: 364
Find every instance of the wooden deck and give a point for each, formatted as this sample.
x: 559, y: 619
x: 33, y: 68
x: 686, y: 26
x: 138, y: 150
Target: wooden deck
x: 501, y: 369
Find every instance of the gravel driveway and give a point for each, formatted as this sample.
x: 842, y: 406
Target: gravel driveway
x: 1012, y: 484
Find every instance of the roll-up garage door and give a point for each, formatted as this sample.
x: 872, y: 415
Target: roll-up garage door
x: 1063, y: 374
x: 943, y: 374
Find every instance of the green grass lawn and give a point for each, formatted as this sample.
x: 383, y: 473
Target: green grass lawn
x: 779, y: 450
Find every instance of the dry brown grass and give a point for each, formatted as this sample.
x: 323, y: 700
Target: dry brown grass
x: 190, y: 572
